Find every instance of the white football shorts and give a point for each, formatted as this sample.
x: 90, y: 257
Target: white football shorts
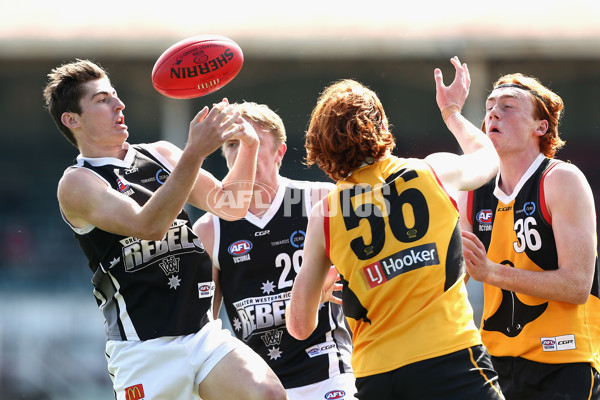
x: 167, y: 367
x: 340, y: 387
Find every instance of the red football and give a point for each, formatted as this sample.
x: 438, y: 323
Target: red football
x: 197, y: 66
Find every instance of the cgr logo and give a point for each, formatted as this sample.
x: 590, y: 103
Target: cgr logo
x: 484, y: 216
x: 239, y: 248
x: 335, y: 394
x: 558, y: 343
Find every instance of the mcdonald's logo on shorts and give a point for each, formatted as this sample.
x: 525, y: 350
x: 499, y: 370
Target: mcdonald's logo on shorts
x: 135, y: 392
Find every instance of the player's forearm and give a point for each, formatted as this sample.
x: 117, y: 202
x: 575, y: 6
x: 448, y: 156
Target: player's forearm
x: 470, y: 138
x: 300, y: 323
x: 158, y: 214
x: 556, y: 285
x: 239, y: 182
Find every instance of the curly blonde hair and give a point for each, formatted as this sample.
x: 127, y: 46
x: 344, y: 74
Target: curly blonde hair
x: 348, y: 127
x: 547, y: 105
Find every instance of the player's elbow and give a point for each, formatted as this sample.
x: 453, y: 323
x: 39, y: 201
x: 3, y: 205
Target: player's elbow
x: 298, y: 329
x: 576, y: 293
x: 298, y: 332
x: 152, y: 233
x: 580, y: 297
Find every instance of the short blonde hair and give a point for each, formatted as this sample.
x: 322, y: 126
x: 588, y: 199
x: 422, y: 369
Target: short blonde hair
x: 264, y: 117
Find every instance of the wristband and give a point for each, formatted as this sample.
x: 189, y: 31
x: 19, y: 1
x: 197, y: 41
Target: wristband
x: 449, y: 110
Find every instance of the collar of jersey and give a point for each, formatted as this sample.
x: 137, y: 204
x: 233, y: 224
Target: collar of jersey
x: 98, y: 162
x: 264, y: 219
x: 505, y: 198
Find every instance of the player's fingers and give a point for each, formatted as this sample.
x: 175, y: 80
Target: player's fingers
x: 227, y: 117
x: 439, y: 78
x: 467, y: 75
x: 233, y: 132
x: 200, y: 115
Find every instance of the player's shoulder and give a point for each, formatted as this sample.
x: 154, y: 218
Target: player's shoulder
x: 77, y: 177
x: 562, y: 172
x: 316, y: 189
x: 205, y: 222
x: 308, y: 185
x: 160, y: 146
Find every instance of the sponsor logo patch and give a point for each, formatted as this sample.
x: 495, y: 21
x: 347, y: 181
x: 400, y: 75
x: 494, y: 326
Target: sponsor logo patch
x: 401, y: 262
x: 297, y: 239
x: 206, y: 289
x: 558, y: 343
x: 321, y: 348
x: 135, y: 392
x: 529, y: 208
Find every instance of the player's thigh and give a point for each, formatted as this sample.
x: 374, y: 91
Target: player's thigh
x: 242, y: 375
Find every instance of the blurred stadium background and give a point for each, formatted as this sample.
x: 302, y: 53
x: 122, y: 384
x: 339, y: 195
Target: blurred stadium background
x: 51, y: 333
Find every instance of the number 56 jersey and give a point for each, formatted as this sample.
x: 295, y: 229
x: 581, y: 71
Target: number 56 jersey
x: 258, y: 259
x: 392, y: 232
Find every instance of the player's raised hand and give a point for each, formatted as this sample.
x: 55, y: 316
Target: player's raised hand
x: 455, y: 94
x: 210, y: 129
x: 248, y: 136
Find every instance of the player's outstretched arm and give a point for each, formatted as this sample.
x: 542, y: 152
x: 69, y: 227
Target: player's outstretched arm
x: 479, y: 163
x: 85, y: 199
x: 229, y: 199
x: 307, y: 292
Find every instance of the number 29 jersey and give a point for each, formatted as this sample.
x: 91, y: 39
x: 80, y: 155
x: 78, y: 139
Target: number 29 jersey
x: 258, y: 259
x: 392, y: 232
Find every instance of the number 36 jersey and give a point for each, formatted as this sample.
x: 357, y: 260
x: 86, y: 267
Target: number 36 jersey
x: 392, y: 232
x: 517, y: 231
x: 258, y: 259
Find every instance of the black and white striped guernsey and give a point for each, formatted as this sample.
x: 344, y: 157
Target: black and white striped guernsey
x: 258, y: 260
x: 146, y: 289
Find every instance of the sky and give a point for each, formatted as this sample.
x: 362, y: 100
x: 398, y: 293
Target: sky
x: 134, y: 19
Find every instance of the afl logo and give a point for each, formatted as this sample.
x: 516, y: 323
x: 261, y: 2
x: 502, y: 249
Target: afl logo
x: 204, y: 288
x: 484, y: 216
x: 122, y: 185
x: 239, y: 248
x: 313, y: 352
x: 548, y: 342
x: 335, y: 394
